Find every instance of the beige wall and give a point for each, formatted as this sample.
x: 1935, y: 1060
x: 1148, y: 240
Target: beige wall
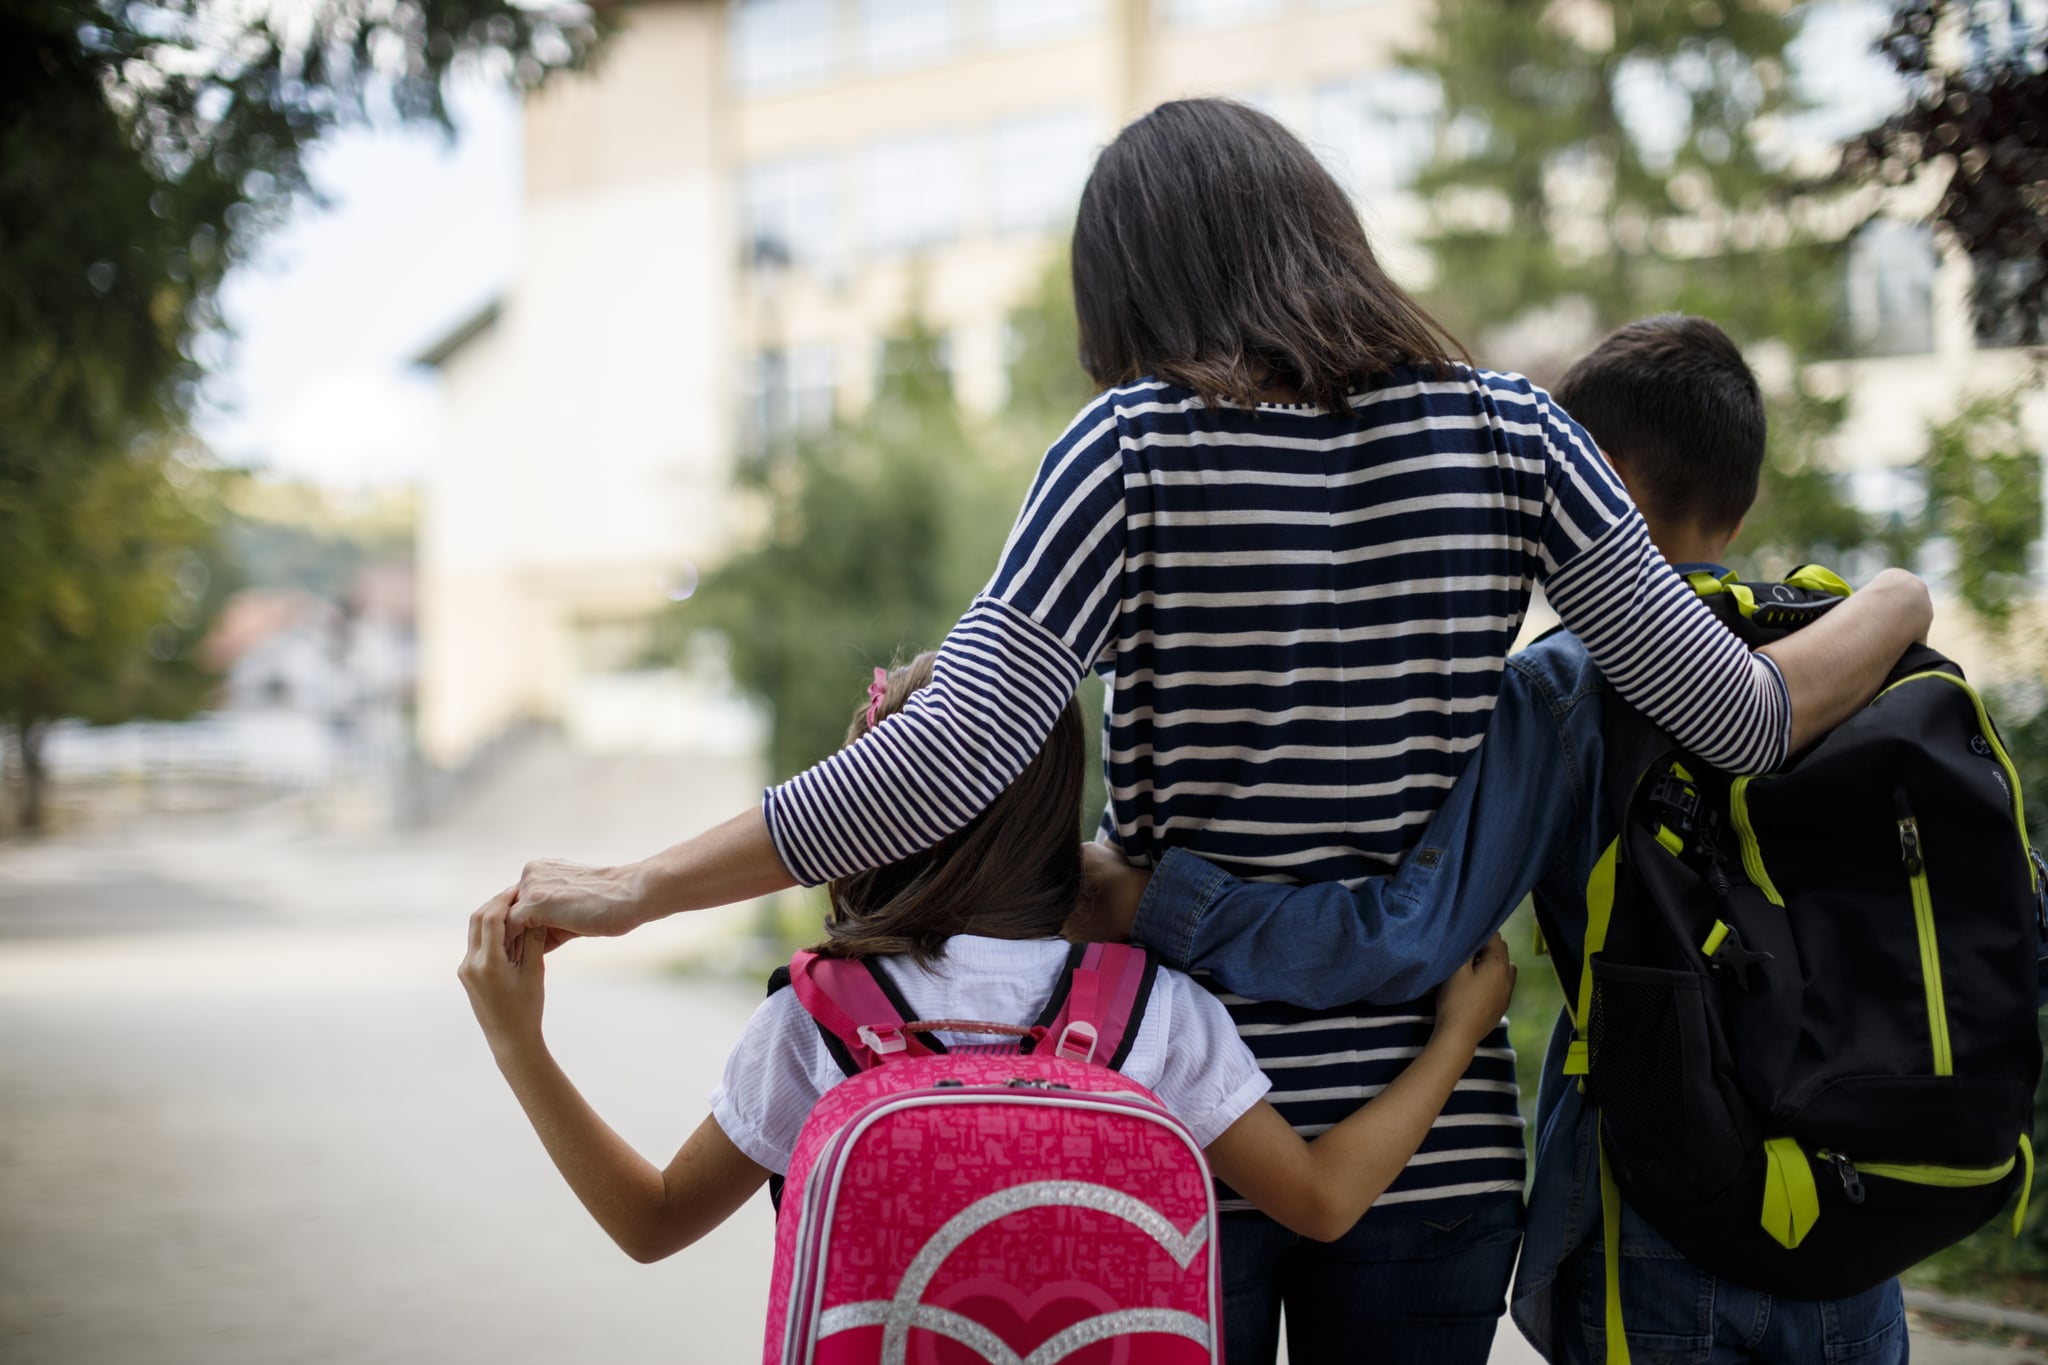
x: 589, y: 426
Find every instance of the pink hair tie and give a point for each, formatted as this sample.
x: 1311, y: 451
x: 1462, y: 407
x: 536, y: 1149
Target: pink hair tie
x: 878, y: 692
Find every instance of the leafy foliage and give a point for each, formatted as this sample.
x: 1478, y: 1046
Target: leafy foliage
x: 126, y: 574
x: 1983, y: 122
x: 878, y: 533
x: 144, y: 146
x: 1984, y: 496
x: 1606, y: 161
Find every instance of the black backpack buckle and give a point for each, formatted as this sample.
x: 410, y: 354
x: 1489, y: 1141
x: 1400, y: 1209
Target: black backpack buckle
x: 1733, y: 957
x: 1676, y: 802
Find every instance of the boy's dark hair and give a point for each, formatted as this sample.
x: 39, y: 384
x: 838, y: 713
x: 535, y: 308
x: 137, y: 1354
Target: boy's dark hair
x: 1013, y: 872
x: 1671, y: 398
x: 1212, y: 250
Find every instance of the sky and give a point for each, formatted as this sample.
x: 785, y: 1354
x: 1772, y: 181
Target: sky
x: 418, y: 232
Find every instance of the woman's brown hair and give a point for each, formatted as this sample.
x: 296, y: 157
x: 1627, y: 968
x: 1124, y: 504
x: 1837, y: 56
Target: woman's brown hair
x: 1212, y: 250
x: 1013, y: 872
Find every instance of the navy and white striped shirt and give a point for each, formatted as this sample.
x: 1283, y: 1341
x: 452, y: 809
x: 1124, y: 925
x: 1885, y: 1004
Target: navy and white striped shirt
x: 1303, y: 616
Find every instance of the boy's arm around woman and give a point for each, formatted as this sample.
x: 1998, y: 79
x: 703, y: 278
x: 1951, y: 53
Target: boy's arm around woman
x: 1506, y: 822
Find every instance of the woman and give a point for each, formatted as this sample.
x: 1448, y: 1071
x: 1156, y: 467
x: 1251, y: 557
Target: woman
x: 1298, y: 534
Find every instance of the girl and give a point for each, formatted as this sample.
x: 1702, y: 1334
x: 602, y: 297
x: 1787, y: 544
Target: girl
x: 969, y: 929
x: 1298, y: 533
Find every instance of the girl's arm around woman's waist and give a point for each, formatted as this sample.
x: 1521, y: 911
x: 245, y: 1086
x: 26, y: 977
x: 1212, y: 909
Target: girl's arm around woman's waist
x: 1321, y: 1188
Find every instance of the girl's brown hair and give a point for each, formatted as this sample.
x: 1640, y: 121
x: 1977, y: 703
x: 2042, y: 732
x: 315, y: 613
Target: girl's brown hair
x: 1212, y: 250
x: 1013, y: 872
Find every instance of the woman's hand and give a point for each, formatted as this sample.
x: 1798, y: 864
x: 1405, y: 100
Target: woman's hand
x: 735, y: 861
x: 504, y: 981
x: 575, y: 899
x: 1472, y: 1002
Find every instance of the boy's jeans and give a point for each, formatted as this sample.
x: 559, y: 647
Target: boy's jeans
x: 1412, y: 1284
x: 1677, y: 1314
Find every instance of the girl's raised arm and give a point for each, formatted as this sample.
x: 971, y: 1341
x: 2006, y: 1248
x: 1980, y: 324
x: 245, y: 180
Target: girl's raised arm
x: 1321, y: 1188
x: 649, y: 1212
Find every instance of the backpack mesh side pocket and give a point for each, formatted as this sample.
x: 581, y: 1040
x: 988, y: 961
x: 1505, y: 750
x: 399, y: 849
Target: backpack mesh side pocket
x: 1651, y: 1072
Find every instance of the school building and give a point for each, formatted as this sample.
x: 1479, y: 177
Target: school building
x: 730, y: 210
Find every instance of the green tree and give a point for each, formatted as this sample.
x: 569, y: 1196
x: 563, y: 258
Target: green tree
x: 877, y: 534
x: 1976, y: 120
x: 126, y: 575
x: 145, y: 145
x: 1613, y: 159
x: 1984, y: 497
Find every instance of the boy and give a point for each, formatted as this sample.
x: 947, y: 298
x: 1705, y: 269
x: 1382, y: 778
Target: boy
x: 1678, y: 414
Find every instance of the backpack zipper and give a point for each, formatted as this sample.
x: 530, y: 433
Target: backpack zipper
x: 1942, y: 1177
x: 1914, y: 859
x: 1947, y: 1177
x: 1990, y: 733
x: 1745, y: 834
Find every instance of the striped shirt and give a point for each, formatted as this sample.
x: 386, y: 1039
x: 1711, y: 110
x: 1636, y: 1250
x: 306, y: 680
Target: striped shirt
x: 1303, y: 617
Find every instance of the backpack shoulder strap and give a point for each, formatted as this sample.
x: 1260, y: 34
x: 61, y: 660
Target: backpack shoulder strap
x: 859, y: 1010
x: 1095, y: 1009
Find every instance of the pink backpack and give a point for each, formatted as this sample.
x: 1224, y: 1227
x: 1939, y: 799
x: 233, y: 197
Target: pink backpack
x: 1018, y: 1203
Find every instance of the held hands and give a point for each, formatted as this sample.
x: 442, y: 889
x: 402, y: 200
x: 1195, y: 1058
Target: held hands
x: 1471, y: 1003
x: 504, y: 979
x: 571, y: 900
x: 1111, y: 890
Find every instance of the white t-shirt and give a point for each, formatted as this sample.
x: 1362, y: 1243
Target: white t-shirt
x: 1187, y: 1052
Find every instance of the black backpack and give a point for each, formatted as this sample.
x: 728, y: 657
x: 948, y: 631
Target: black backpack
x: 1809, y: 1027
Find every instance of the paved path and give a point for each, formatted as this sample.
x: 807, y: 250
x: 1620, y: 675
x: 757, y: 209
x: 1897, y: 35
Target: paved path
x: 245, y: 1118
x: 245, y: 1115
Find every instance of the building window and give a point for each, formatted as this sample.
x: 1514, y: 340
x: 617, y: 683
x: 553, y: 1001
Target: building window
x: 1890, y: 289
x: 778, y: 43
x: 1014, y: 23
x: 787, y: 213
x: 789, y: 394
x: 1211, y: 13
x: 1375, y: 132
x: 1040, y: 164
x: 912, y: 192
x: 896, y: 33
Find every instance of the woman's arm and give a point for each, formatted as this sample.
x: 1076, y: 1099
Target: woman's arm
x: 1321, y: 1188
x: 734, y: 861
x: 1656, y: 642
x: 649, y: 1212
x: 1003, y: 675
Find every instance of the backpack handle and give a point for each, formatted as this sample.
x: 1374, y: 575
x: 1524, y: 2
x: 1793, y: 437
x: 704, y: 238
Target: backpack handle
x: 1093, y: 1015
